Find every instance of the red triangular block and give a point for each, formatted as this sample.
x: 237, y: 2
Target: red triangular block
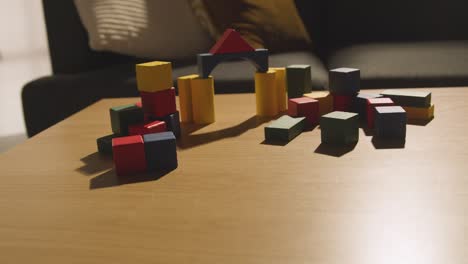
x: 231, y: 42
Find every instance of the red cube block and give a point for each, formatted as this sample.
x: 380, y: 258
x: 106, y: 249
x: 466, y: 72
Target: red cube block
x: 160, y: 103
x: 305, y: 107
x: 129, y: 155
x: 138, y: 104
x: 343, y: 102
x: 148, y: 128
x: 371, y: 104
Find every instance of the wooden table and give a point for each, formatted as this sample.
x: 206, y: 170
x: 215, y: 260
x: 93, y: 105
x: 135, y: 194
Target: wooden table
x: 234, y: 199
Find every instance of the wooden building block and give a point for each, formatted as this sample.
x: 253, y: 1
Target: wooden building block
x: 129, y: 155
x: 342, y: 103
x: 154, y: 76
x: 360, y: 104
x: 203, y: 100
x: 344, y: 81
x: 371, y: 104
x: 265, y: 93
x: 419, y: 113
x: 305, y: 107
x: 284, y: 129
x: 409, y: 98
x: 185, y: 97
x: 339, y: 128
x: 148, y: 128
x: 281, y: 91
x: 139, y: 104
x: 161, y: 151
x: 172, y: 123
x: 299, y: 80
x: 231, y: 42
x: 123, y: 116
x: 206, y: 62
x: 159, y: 104
x: 390, y: 122
x: 325, y: 100
x: 104, y: 144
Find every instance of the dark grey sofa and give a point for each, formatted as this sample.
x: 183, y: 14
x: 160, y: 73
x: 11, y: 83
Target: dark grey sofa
x: 395, y: 44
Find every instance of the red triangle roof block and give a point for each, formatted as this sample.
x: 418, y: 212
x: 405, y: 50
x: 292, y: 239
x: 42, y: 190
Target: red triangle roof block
x: 231, y: 42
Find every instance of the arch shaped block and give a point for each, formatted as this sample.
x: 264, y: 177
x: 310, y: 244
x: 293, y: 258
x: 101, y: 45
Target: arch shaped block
x: 208, y: 61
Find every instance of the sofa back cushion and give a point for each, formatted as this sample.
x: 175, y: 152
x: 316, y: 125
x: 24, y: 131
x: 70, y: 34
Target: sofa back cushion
x: 143, y: 28
x: 361, y: 21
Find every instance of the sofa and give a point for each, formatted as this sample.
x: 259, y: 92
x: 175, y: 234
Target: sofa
x: 396, y: 44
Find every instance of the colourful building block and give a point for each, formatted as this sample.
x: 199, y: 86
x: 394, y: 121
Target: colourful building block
x: 161, y: 151
x: 159, y: 104
x: 139, y: 104
x: 173, y: 123
x: 203, y: 100
x: 305, y: 107
x: 265, y: 93
x: 344, y: 81
x: 206, y: 62
x: 390, y: 122
x: 409, y: 98
x: 154, y: 76
x: 185, y: 97
x: 149, y: 128
x: 419, y: 113
x: 123, y: 116
x: 284, y: 129
x: 129, y: 155
x: 339, y: 128
x: 281, y: 91
x: 231, y: 42
x: 325, y: 100
x: 342, y: 103
x: 360, y: 104
x: 104, y: 144
x: 299, y: 80
x: 371, y: 104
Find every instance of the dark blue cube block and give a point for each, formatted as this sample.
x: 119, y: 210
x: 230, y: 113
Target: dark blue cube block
x: 344, y: 81
x: 172, y: 123
x: 390, y: 122
x: 161, y: 151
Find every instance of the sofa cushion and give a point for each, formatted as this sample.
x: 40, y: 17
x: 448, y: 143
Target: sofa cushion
x: 273, y: 24
x: 414, y: 64
x: 145, y: 29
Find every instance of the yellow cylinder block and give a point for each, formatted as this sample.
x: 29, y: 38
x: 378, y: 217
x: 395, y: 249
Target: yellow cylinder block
x: 265, y: 93
x: 185, y: 97
x: 203, y: 100
x: 281, y: 91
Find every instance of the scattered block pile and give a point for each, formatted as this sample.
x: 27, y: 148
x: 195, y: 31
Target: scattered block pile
x: 144, y: 134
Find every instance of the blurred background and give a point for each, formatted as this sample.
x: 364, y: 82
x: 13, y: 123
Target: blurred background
x: 23, y: 57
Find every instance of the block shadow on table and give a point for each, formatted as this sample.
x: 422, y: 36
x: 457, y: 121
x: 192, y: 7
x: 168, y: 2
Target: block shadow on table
x: 334, y: 150
x: 94, y: 163
x: 188, y: 140
x: 111, y: 179
x: 388, y: 143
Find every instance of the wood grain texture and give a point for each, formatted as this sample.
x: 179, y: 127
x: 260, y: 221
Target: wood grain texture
x: 236, y: 200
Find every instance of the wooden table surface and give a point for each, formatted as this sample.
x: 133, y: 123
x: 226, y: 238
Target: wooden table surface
x: 234, y: 199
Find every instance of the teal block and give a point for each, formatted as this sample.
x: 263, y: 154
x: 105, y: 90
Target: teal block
x: 284, y: 129
x: 409, y: 98
x: 299, y: 80
x: 339, y: 128
x: 123, y: 116
x: 104, y: 144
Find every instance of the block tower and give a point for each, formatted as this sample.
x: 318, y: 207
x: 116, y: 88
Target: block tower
x: 144, y: 134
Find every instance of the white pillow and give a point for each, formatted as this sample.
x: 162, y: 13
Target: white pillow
x: 144, y: 28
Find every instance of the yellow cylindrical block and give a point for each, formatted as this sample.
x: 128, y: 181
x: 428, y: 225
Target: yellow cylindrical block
x: 185, y: 97
x: 265, y: 93
x: 281, y: 92
x: 203, y: 100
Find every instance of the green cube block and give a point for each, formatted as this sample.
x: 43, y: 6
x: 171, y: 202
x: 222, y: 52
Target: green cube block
x: 284, y: 129
x: 104, y: 144
x: 299, y: 80
x: 409, y: 98
x: 123, y: 116
x: 339, y: 128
